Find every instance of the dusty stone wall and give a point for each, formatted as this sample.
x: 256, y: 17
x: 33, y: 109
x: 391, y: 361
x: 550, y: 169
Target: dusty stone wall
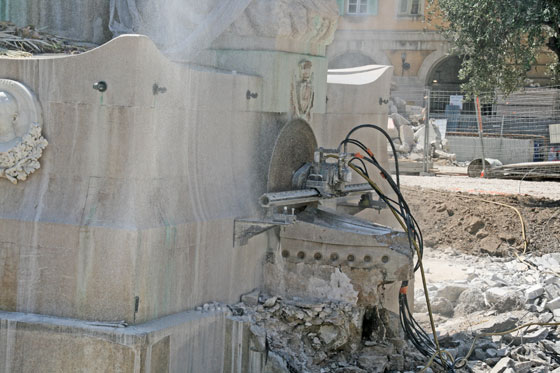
x: 137, y: 191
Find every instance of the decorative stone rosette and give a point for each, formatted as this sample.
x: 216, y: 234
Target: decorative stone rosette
x: 21, y: 141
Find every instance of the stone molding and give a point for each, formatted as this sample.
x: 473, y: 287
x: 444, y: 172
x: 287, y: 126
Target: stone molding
x: 21, y: 140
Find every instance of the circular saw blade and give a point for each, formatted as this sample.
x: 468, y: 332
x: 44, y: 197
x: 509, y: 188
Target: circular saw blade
x: 294, y: 147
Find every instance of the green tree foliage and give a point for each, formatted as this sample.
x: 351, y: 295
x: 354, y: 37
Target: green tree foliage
x: 498, y: 39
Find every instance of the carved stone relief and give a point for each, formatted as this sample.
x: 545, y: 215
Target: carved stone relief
x: 302, y: 92
x: 21, y: 141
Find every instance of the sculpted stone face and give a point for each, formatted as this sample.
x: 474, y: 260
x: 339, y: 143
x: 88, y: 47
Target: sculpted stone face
x: 8, y: 117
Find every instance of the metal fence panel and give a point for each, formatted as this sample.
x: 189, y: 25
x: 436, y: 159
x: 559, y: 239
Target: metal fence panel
x: 517, y: 128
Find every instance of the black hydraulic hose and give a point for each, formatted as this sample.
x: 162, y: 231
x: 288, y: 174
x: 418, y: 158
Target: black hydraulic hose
x: 411, y: 223
x: 413, y: 331
x: 363, y: 168
x: 376, y: 127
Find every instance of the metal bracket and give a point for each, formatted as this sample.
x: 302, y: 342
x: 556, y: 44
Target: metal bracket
x: 366, y: 202
x: 244, y: 229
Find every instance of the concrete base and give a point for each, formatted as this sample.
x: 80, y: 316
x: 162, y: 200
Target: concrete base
x: 184, y: 342
x: 505, y: 150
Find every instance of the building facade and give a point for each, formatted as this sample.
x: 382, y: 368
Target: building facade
x: 395, y: 32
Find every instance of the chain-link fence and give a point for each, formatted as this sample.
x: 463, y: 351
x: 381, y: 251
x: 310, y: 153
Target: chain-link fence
x: 522, y: 127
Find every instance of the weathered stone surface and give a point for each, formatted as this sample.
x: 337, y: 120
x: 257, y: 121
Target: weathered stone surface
x: 94, y: 222
x: 34, y: 343
x: 185, y: 29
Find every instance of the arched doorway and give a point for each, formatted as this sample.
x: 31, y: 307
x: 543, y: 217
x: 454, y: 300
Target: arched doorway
x: 444, y: 75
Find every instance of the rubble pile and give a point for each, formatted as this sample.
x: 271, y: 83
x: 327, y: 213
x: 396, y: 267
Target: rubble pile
x: 407, y: 128
x: 320, y: 337
x: 496, y: 295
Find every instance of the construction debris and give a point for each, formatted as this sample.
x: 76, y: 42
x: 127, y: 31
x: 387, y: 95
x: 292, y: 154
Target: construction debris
x: 303, y: 335
x: 27, y: 41
x: 497, y: 295
x: 527, y: 171
x: 407, y: 128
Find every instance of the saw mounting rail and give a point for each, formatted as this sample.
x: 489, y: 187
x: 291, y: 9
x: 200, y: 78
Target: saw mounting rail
x: 327, y: 177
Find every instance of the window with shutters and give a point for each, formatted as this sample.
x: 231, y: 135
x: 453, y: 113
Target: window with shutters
x: 357, y: 6
x: 410, y: 7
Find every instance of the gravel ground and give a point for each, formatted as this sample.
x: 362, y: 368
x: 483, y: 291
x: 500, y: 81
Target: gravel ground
x: 548, y: 189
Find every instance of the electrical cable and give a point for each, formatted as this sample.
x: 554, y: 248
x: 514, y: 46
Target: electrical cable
x: 427, y: 346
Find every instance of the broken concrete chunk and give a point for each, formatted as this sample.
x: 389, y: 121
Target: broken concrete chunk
x: 399, y: 120
x: 471, y: 300
x: 552, y: 291
x: 258, y: 338
x: 400, y: 104
x: 451, y: 292
x: 444, y: 155
x: 328, y: 333
x: 499, y: 323
x: 546, y: 317
x: 502, y: 365
x: 396, y: 362
x: 251, y: 299
x: 407, y: 135
x: 479, y: 354
x: 392, y: 129
x: 533, y: 337
x: 275, y: 364
x: 492, y: 352
x: 553, y: 304
x: 504, y: 299
x: 442, y: 307
x: 522, y: 366
x: 534, y: 292
x: 270, y: 302
x: 373, y: 363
